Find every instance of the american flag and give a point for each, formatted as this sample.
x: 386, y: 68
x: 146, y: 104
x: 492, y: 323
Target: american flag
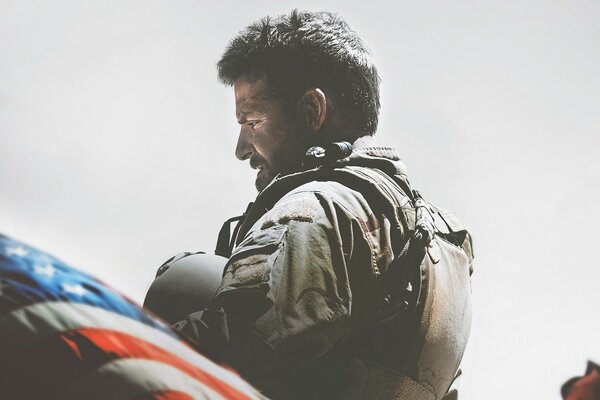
x: 66, y: 335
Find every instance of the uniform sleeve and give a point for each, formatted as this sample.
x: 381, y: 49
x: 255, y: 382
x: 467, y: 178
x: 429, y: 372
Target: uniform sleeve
x: 287, y: 293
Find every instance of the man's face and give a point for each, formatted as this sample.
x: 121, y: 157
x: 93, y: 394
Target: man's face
x: 268, y: 138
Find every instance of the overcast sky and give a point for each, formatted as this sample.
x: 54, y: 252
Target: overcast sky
x: 117, y: 149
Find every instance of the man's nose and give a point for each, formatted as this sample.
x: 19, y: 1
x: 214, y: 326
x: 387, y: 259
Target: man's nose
x: 243, y: 149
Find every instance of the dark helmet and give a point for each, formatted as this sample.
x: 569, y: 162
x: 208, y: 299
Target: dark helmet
x: 186, y: 283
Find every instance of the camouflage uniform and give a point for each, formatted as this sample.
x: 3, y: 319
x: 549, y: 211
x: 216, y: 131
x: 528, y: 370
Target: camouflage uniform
x: 298, y: 290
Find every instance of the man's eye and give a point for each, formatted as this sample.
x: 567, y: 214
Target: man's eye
x: 252, y: 124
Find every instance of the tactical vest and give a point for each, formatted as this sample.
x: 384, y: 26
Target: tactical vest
x: 413, y: 345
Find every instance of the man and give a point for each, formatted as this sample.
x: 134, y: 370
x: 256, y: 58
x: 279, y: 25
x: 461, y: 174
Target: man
x: 329, y: 291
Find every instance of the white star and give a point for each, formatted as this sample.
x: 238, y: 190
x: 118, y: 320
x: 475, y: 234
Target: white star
x: 47, y: 270
x: 75, y: 289
x: 16, y: 251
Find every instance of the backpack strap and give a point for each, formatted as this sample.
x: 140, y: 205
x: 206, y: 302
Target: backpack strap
x: 453, y: 230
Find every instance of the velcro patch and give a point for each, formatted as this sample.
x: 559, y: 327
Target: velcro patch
x: 303, y: 209
x: 247, y: 271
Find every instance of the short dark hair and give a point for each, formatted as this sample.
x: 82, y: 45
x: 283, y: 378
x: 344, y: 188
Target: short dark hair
x: 301, y: 50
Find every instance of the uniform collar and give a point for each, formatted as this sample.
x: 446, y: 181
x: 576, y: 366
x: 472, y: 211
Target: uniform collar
x: 366, y: 152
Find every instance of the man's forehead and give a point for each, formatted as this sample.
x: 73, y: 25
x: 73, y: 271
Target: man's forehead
x: 246, y: 89
x: 250, y: 95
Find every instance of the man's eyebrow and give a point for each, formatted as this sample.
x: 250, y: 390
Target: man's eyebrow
x: 243, y: 107
x: 241, y: 116
x: 263, y: 95
x: 246, y: 107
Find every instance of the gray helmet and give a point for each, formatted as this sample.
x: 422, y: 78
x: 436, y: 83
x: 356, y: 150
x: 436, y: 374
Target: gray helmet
x: 186, y: 283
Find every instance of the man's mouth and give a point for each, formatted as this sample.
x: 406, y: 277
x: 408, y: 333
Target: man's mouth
x: 262, y: 177
x: 256, y: 164
x: 260, y: 170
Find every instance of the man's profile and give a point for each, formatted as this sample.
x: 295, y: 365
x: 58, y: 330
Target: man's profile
x: 343, y: 282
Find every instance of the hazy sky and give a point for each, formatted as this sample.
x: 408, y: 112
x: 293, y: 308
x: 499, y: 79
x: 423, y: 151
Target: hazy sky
x: 117, y: 149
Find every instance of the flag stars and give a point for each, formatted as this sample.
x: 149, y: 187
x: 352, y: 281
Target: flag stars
x: 45, y: 270
x: 75, y: 289
x: 18, y: 251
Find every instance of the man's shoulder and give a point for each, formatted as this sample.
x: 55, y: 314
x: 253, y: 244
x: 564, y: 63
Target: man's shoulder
x: 332, y: 189
x: 366, y: 171
x: 314, y: 202
x: 328, y: 194
x: 346, y: 194
x: 350, y: 190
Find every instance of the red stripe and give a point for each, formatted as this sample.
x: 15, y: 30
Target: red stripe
x: 121, y: 345
x: 72, y: 345
x: 165, y: 395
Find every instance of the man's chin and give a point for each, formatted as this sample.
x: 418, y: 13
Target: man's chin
x: 263, y: 178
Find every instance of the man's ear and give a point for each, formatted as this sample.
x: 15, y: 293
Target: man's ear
x: 312, y: 109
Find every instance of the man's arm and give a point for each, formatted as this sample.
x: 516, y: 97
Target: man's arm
x: 286, y: 294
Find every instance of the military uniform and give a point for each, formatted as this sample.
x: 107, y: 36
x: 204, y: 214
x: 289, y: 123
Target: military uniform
x: 296, y: 312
